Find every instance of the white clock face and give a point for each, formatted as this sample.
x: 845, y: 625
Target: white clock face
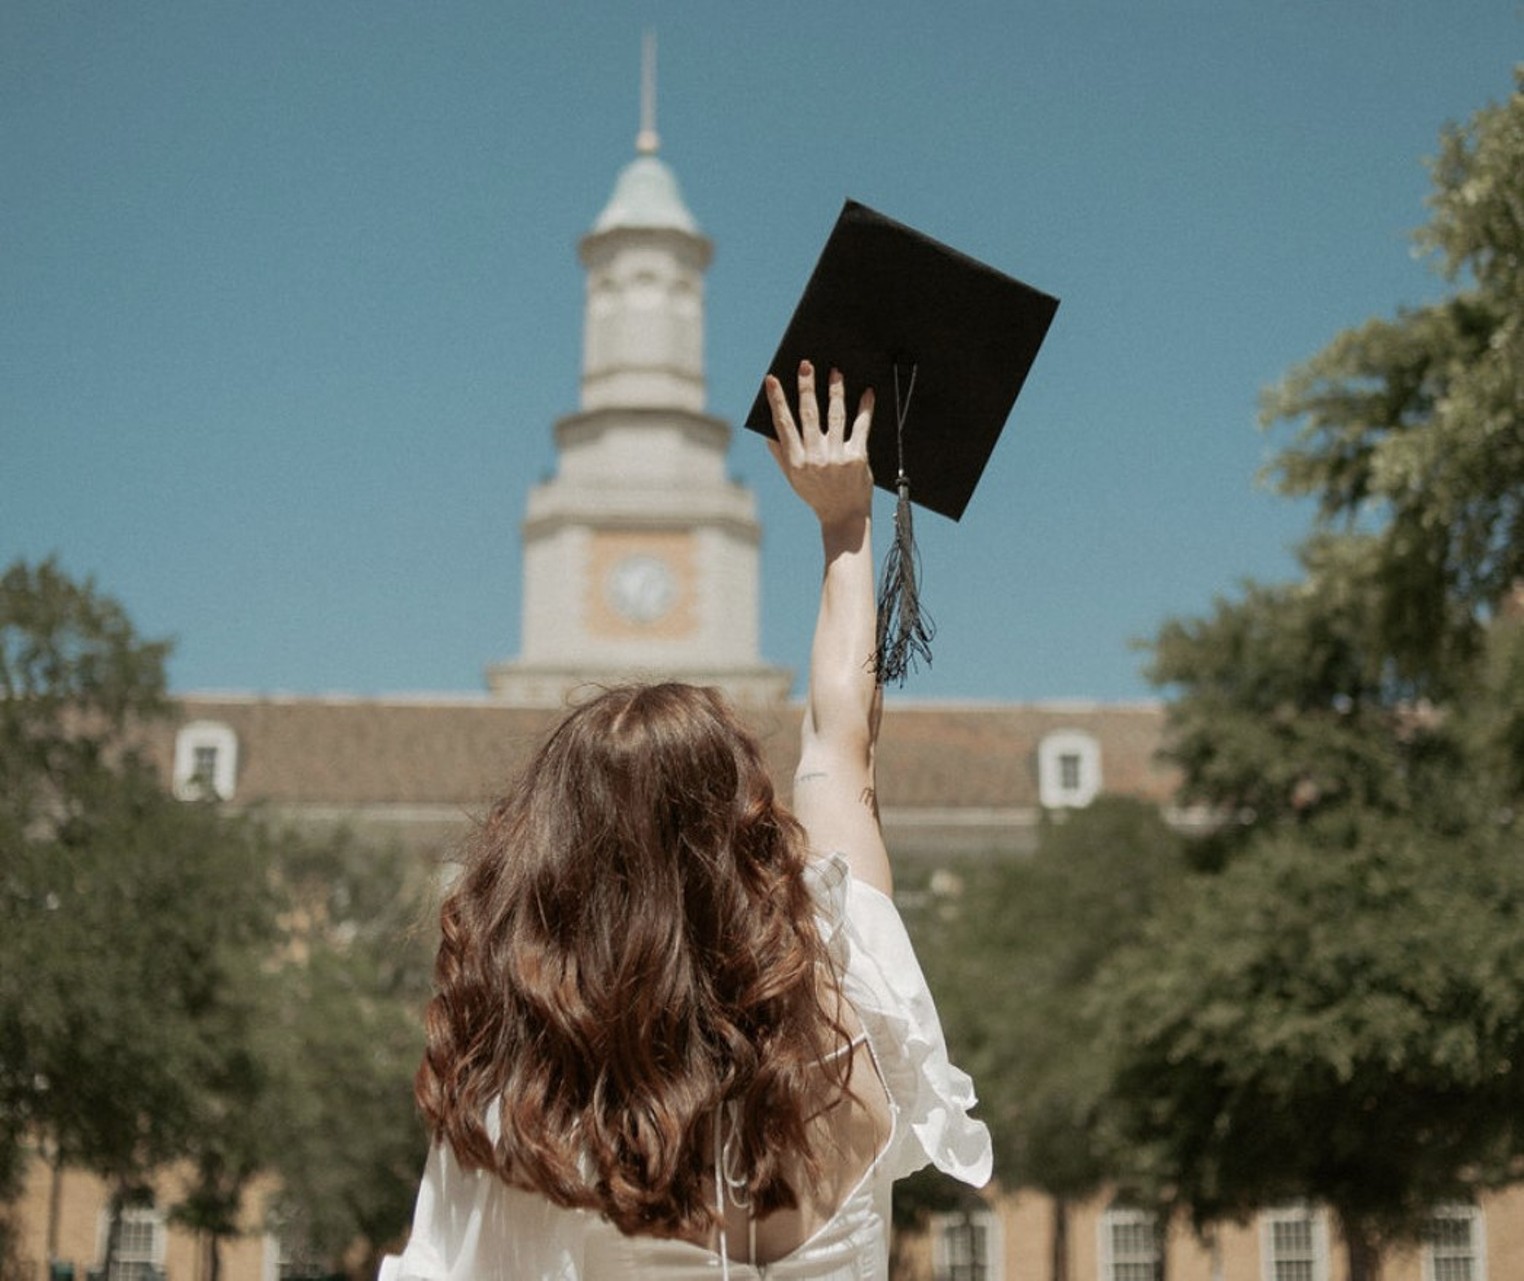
x: 642, y: 588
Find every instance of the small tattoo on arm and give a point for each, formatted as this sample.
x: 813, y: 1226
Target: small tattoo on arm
x: 869, y: 798
x: 814, y: 776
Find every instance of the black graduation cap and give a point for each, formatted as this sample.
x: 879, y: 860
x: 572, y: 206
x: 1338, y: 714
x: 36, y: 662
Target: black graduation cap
x: 945, y: 342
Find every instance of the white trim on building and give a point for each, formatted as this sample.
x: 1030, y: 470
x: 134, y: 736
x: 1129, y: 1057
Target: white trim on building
x: 1455, y: 1244
x: 206, y: 761
x: 140, y: 1244
x: 1293, y: 1244
x: 1068, y: 769
x: 967, y: 1246
x: 1128, y: 1245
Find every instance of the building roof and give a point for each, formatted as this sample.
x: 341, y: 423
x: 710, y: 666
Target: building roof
x: 985, y: 755
x: 646, y: 197
x: 962, y: 773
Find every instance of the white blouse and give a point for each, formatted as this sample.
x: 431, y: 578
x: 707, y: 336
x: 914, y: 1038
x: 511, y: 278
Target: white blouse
x: 469, y: 1225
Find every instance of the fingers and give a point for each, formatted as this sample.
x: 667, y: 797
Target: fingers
x: 862, y: 424
x: 855, y: 446
x: 826, y: 468
x: 805, y: 436
x: 783, y: 420
x: 809, y: 407
x: 836, y: 408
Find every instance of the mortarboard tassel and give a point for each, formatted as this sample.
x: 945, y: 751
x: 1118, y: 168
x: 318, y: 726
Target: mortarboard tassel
x: 905, y: 631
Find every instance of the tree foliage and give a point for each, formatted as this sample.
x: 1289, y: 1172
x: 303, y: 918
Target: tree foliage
x: 74, y: 675
x: 1331, y: 1010
x: 1336, y: 1024
x: 181, y: 985
x: 351, y: 1143
x: 1012, y: 957
x: 140, y: 931
x: 1409, y: 433
x: 1032, y: 937
x: 1289, y: 706
x: 134, y: 929
x: 1414, y: 424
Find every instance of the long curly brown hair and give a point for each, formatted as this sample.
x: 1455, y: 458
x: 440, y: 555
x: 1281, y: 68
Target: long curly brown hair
x: 629, y: 953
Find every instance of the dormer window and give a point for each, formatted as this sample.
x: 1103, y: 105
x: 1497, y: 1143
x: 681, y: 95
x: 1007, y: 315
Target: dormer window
x: 206, y: 761
x: 1068, y: 769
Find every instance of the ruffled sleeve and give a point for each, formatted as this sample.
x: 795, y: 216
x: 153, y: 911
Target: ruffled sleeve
x: 883, y: 980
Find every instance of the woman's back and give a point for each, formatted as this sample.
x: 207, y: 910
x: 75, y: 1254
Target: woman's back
x: 911, y: 1107
x: 838, y: 1229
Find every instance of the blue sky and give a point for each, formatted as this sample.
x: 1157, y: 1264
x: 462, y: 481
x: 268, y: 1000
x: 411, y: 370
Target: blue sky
x: 289, y: 298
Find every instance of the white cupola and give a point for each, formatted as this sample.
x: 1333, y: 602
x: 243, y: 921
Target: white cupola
x: 645, y: 259
x: 641, y: 553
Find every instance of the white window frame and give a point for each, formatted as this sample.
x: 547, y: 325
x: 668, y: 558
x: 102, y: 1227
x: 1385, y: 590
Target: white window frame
x: 1472, y: 1215
x: 1124, y: 1216
x: 288, y: 1251
x: 1318, y: 1223
x: 133, y: 1216
x: 211, y: 736
x: 1051, y: 753
x: 985, y: 1220
x: 276, y: 1263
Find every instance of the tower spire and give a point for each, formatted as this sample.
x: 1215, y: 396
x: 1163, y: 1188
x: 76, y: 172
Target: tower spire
x: 647, y: 141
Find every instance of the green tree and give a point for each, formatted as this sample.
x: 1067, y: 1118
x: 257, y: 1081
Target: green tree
x: 1488, y: 719
x: 1409, y: 434
x: 184, y: 985
x: 237, y: 1096
x: 1412, y: 426
x: 1328, y: 1015
x: 353, y: 988
x: 139, y: 932
x: 1288, y: 707
x: 1337, y: 1024
x: 1013, y: 958
x: 74, y: 678
x: 133, y: 928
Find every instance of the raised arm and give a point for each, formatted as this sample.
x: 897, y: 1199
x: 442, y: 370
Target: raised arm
x: 834, y: 790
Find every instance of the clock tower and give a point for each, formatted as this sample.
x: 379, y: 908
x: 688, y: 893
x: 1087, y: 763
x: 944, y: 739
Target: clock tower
x: 641, y: 553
